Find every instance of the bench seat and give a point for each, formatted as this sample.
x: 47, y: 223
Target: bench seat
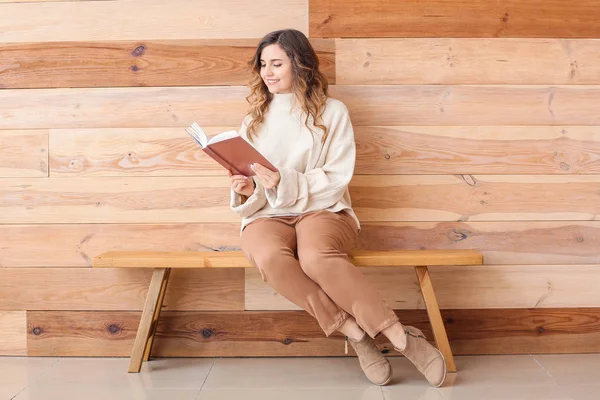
x: 162, y: 262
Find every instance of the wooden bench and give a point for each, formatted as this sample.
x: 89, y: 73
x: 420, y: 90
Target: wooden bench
x: 163, y: 262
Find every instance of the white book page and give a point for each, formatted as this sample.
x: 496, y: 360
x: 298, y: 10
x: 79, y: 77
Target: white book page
x: 198, y: 134
x: 223, y: 136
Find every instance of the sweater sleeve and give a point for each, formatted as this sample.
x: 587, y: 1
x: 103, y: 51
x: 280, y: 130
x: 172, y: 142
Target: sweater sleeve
x: 321, y: 187
x: 255, y: 202
x: 257, y: 199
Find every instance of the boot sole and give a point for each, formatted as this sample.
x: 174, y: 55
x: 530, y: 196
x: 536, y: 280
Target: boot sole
x: 445, y: 370
x: 384, y: 383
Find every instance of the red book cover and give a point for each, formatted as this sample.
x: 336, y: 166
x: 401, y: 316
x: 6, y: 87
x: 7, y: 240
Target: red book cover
x: 230, y: 150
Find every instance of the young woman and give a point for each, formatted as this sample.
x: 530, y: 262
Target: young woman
x: 297, y: 222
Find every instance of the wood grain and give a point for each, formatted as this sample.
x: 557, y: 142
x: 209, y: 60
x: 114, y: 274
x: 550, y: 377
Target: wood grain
x: 74, y: 245
x: 145, y: 328
x: 530, y: 286
x: 374, y: 198
x: 502, y: 243
x: 130, y: 152
x: 380, y: 150
x: 470, y: 105
x: 514, y: 286
x: 368, y: 106
x: 424, y: 61
x: 38, y: 1
x: 136, y: 63
x: 477, y: 150
x: 13, y: 333
x: 81, y: 333
x: 122, y: 107
x: 435, y: 317
x: 237, y: 259
x: 117, y: 289
x: 475, y: 197
x: 23, y: 153
x: 449, y: 18
x: 147, y: 20
x: 551, y: 242
x: 294, y: 333
x: 566, y: 330
x: 121, y: 200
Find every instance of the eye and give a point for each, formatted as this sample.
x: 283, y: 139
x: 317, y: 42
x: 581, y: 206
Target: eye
x: 277, y: 65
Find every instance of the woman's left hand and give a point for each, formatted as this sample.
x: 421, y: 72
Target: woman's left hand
x: 269, y: 179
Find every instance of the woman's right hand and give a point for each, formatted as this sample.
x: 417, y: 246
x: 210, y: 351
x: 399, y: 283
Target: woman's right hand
x: 241, y: 184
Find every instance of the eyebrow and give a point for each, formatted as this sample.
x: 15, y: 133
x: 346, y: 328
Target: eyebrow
x: 275, y: 59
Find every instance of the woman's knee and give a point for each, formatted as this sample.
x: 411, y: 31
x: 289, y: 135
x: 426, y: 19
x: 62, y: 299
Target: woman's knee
x: 271, y: 262
x: 314, y: 260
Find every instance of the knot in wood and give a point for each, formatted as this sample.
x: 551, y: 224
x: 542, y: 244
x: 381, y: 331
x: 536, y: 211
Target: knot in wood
x: 541, y: 330
x: 138, y: 51
x: 457, y: 235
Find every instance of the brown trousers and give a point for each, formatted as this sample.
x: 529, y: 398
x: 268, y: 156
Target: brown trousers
x: 304, y: 258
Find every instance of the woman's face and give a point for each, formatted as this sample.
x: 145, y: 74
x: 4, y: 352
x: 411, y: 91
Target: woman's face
x: 276, y: 69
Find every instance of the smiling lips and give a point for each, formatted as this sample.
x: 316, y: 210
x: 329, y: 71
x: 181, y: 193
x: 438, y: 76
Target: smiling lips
x: 272, y: 81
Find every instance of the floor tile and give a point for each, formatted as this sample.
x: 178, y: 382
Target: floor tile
x: 584, y: 392
x: 64, y: 392
x: 16, y: 373
x: 479, y: 377
x: 547, y: 377
x: 477, y: 371
x: 572, y: 369
x: 500, y: 392
x: 167, y: 373
x: 342, y: 393
x: 285, y: 373
x: 518, y: 370
x: 7, y: 393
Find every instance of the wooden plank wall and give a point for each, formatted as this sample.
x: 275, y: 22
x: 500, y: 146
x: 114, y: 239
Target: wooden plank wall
x: 477, y: 127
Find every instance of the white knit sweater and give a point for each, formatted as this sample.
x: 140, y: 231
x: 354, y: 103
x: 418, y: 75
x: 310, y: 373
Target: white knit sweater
x: 314, y: 175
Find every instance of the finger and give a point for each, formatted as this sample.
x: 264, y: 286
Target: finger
x: 260, y: 175
x: 238, y: 178
x: 263, y: 170
x: 238, y: 181
x: 258, y: 168
x: 261, y: 180
x: 238, y: 185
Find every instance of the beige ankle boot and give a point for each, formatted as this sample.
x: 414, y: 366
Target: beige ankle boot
x: 374, y: 364
x: 428, y: 360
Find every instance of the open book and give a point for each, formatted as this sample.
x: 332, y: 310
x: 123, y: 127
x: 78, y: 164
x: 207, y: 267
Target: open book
x: 230, y: 150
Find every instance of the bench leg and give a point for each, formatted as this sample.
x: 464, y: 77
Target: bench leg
x: 141, y: 339
x: 435, y: 317
x: 161, y: 297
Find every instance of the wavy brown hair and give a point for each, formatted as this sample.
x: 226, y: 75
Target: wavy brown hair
x: 309, y: 85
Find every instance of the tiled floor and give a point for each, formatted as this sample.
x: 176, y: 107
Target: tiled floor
x: 547, y: 377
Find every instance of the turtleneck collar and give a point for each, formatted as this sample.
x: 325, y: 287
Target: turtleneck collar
x: 283, y: 99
